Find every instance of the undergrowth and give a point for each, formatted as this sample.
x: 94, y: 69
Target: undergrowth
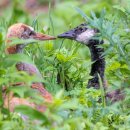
x: 78, y: 108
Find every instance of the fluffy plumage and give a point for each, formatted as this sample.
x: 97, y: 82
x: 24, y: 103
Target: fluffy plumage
x: 22, y: 31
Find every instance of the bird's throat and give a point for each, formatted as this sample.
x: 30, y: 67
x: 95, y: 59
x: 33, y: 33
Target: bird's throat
x: 98, y: 63
x: 15, y: 49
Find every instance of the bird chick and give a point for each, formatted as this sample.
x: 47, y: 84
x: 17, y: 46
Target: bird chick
x: 25, y: 32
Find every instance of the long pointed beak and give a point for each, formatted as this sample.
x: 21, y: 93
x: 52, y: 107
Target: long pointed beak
x: 69, y: 34
x: 43, y: 37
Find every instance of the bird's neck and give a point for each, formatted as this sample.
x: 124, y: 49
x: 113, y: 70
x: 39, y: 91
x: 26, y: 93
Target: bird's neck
x: 19, y: 48
x: 98, y: 63
x: 15, y: 49
x: 22, y: 66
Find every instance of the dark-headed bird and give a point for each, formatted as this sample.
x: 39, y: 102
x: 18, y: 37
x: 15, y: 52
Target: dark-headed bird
x: 88, y: 36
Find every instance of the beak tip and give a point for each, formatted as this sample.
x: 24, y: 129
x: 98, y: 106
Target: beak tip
x: 52, y: 37
x: 43, y: 37
x: 60, y: 36
x: 66, y: 36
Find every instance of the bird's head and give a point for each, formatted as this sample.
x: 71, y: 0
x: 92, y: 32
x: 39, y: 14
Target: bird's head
x: 22, y: 31
x: 81, y: 34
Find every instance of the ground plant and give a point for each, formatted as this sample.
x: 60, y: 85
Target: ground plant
x: 75, y: 107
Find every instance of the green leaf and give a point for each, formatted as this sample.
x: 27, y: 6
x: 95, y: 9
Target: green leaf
x: 31, y: 113
x: 1, y: 38
x: 18, y: 58
x: 20, y: 90
x: 120, y: 8
x: 82, y: 14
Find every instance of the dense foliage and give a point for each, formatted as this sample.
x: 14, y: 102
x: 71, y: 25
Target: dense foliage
x: 78, y: 108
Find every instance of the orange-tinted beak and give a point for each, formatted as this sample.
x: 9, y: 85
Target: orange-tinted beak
x: 42, y: 37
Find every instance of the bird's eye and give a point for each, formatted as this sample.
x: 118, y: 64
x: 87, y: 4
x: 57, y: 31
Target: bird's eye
x: 78, y: 30
x: 81, y: 29
x: 31, y: 33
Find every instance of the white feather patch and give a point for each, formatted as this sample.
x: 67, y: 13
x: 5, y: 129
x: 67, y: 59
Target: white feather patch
x: 85, y: 36
x: 31, y: 28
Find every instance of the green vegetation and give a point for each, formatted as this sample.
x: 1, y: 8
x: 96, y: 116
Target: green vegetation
x: 78, y: 108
